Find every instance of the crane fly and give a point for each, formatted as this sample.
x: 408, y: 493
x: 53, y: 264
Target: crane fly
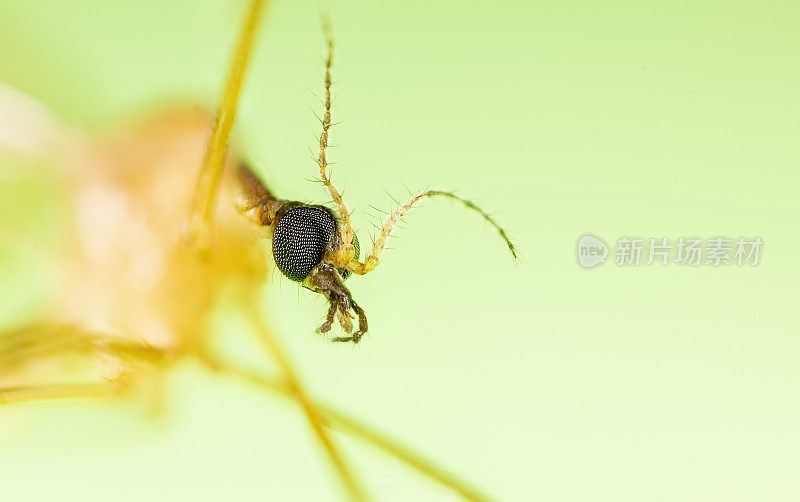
x: 151, y: 253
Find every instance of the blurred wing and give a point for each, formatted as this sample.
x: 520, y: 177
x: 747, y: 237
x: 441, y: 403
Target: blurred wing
x: 28, y: 126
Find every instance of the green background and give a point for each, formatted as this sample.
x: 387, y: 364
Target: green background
x: 540, y: 381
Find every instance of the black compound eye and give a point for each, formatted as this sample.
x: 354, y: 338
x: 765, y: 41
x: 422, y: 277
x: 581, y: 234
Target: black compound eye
x: 299, y: 240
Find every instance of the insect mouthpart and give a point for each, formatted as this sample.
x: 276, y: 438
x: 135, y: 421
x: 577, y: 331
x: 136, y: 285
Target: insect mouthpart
x: 302, y: 235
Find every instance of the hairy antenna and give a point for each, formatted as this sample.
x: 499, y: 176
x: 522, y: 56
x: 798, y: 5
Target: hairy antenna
x: 406, y: 207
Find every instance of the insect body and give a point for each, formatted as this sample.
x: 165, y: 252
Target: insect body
x: 317, y: 247
x: 151, y: 255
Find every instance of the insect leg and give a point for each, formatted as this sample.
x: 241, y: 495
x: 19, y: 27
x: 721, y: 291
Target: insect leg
x: 211, y: 169
x: 345, y: 424
x: 325, y: 279
x: 345, y: 321
x: 362, y: 325
x: 9, y: 395
x: 331, y: 315
x: 298, y: 392
x: 25, y: 346
x: 113, y: 358
x: 22, y: 344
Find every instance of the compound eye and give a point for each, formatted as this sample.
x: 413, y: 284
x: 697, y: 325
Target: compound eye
x: 299, y: 240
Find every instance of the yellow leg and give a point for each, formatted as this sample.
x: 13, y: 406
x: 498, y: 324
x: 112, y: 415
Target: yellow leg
x: 208, y: 181
x: 20, y: 394
x: 201, y: 219
x: 297, y: 391
x: 26, y: 345
x: 31, y: 343
x: 118, y: 362
x: 330, y: 418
